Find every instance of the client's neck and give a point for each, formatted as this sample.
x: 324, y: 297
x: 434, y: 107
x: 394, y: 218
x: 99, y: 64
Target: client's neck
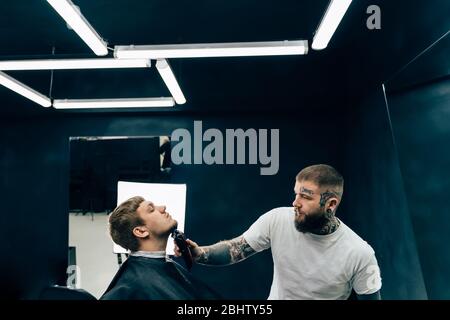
x: 154, y: 244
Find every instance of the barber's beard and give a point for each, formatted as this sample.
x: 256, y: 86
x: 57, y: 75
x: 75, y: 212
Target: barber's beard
x: 311, y: 222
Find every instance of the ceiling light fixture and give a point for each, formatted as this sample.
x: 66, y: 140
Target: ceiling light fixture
x: 24, y: 90
x: 55, y: 64
x: 330, y: 21
x: 167, y: 75
x: 201, y: 50
x: 113, y: 103
x: 69, y: 12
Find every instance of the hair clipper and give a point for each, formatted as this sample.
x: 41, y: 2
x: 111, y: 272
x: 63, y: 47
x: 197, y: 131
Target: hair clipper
x: 180, y: 240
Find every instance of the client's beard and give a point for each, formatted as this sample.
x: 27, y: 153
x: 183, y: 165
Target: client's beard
x: 174, y: 227
x: 311, y: 222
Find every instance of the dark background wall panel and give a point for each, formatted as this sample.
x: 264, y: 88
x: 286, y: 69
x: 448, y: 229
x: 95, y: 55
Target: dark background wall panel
x: 375, y: 204
x: 420, y: 118
x: 34, y: 196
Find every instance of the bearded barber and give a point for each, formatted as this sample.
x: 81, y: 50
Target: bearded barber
x: 315, y: 255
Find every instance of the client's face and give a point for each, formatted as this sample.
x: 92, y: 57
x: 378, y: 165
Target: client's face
x: 159, y: 222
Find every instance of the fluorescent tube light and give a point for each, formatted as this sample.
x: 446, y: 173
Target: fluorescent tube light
x: 169, y: 79
x: 56, y: 64
x: 113, y: 103
x: 333, y: 16
x: 24, y: 90
x: 69, y: 12
x: 200, y: 50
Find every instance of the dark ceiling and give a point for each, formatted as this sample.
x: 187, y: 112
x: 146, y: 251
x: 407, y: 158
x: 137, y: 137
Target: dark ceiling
x: 433, y: 64
x: 355, y: 57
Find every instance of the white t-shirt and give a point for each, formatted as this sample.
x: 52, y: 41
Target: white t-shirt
x: 310, y: 266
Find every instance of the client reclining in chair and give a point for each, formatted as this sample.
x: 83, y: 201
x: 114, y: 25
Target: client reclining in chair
x: 148, y: 274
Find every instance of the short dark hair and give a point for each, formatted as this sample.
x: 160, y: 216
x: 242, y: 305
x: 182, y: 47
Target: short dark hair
x: 324, y: 176
x: 123, y: 220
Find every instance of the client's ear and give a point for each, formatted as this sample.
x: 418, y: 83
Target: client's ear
x: 141, y: 232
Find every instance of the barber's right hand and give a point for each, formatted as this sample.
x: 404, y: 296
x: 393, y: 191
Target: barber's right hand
x: 195, y: 249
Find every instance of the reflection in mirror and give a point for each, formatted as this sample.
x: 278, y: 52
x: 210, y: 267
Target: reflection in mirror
x: 97, y: 164
x: 173, y: 196
x: 418, y: 100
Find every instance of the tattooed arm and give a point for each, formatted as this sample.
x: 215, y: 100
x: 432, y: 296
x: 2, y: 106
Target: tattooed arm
x: 222, y: 253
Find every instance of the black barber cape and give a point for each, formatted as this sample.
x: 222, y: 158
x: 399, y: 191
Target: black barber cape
x: 142, y: 278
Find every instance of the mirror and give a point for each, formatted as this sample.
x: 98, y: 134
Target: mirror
x: 97, y: 164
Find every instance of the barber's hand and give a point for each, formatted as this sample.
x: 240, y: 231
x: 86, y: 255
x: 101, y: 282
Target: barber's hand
x: 195, y: 249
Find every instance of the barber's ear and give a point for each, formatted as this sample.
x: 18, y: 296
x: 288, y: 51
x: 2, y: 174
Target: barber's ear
x: 141, y: 232
x: 332, y: 204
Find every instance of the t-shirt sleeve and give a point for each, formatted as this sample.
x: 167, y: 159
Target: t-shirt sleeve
x: 258, y: 235
x: 367, y: 279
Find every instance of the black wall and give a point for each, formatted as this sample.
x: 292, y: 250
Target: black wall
x: 222, y: 201
x: 34, y: 194
x: 374, y: 198
x: 420, y: 118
